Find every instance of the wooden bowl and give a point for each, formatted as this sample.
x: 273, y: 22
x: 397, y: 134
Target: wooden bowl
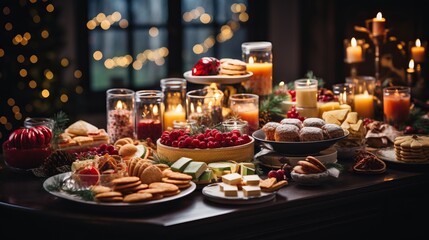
x: 241, y: 153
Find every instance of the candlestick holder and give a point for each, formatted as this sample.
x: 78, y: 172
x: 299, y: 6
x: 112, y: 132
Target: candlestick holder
x: 377, y: 34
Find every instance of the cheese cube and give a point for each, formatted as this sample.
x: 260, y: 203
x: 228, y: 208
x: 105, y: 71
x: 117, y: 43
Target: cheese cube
x: 251, y: 191
x: 180, y: 164
x: 232, y: 178
x: 229, y: 190
x: 253, y: 180
x: 207, y: 177
x: 195, y: 169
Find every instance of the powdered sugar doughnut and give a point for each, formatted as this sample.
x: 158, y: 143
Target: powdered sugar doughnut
x: 286, y: 133
x: 292, y: 121
x: 313, y: 122
x: 311, y: 134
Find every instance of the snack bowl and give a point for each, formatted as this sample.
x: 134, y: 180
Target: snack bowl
x: 239, y: 153
x: 24, y: 159
x: 310, y: 179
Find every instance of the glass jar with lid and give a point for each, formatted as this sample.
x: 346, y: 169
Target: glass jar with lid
x: 174, y: 90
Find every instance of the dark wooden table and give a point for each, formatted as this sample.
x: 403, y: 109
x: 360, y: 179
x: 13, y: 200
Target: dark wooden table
x: 393, y: 204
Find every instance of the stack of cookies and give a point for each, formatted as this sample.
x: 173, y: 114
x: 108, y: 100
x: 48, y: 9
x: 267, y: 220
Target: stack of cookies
x: 412, y: 148
x: 231, y: 67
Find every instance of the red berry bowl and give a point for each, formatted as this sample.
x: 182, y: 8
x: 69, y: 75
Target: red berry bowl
x: 24, y: 159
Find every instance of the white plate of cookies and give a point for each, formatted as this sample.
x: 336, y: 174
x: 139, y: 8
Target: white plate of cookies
x: 219, y: 78
x: 61, y: 186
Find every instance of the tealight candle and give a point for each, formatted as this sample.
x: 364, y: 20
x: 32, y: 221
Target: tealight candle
x: 246, y: 107
x: 177, y: 113
x: 174, y: 90
x: 120, y: 113
x: 396, y: 105
x: 418, y: 52
x: 378, y: 25
x: 410, y: 73
x: 232, y: 124
x: 306, y: 93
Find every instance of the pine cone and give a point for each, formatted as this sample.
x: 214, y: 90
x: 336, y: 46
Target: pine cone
x: 58, y: 162
x: 264, y: 117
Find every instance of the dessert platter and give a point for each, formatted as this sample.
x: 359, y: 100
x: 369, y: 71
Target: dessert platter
x: 65, y: 180
x: 212, y: 70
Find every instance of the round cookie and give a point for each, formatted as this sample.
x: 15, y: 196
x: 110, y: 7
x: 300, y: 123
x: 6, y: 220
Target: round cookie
x: 286, y: 133
x: 229, y: 66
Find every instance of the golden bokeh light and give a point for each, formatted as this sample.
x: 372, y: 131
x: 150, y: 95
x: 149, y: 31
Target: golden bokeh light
x: 15, y: 109
x: 79, y: 89
x: 45, y: 93
x: 105, y: 24
x: 11, y: 102
x: 6, y: 11
x: 65, y: 62
x: 20, y: 58
x: 1, y: 52
x: 8, y: 126
x: 77, y: 73
x: 34, y: 59
x: 50, y: 8
x: 123, y: 23
x: 36, y: 19
x: 97, y: 55
x: 100, y: 17
x: 198, y: 49
x: 205, y: 18
x: 32, y: 84
x: 44, y: 34
x: 153, y: 31
x: 8, y: 26
x: 23, y: 72
x: 18, y: 116
x: 116, y: 16
x: 49, y: 74
x: 3, y: 120
x: 91, y: 24
x: 64, y: 98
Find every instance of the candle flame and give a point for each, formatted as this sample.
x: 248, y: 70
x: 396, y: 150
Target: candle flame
x: 418, y: 43
x: 120, y: 105
x: 366, y: 93
x: 251, y: 60
x: 308, y: 82
x: 155, y: 110
x: 354, y: 42
x: 199, y: 110
x: 396, y: 92
x: 411, y: 64
x: 179, y: 108
x: 379, y: 16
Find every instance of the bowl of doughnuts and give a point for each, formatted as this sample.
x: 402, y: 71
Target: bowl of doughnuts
x: 294, y: 137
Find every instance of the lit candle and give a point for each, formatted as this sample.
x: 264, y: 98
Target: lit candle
x: 410, y: 72
x: 396, y: 105
x: 378, y: 25
x: 354, y: 52
x: 364, y: 105
x: 120, y: 122
x: 418, y: 52
x: 246, y: 107
x: 150, y: 127
x: 306, y: 93
x: 177, y: 113
x: 261, y: 81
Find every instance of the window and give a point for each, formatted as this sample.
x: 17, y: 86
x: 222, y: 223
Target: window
x: 133, y: 42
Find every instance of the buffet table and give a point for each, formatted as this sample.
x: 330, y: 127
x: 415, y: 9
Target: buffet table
x: 353, y: 206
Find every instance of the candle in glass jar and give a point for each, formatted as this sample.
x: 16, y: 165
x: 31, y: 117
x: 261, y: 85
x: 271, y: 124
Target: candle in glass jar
x: 418, y: 52
x: 396, y: 105
x: 378, y: 25
x: 354, y: 52
x: 177, y: 113
x: 306, y: 93
x: 261, y: 81
x: 364, y: 105
x: 149, y: 128
x: 246, y: 107
x: 120, y: 122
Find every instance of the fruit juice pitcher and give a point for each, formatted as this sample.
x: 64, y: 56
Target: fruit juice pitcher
x: 149, y: 108
x: 174, y: 90
x: 120, y: 113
